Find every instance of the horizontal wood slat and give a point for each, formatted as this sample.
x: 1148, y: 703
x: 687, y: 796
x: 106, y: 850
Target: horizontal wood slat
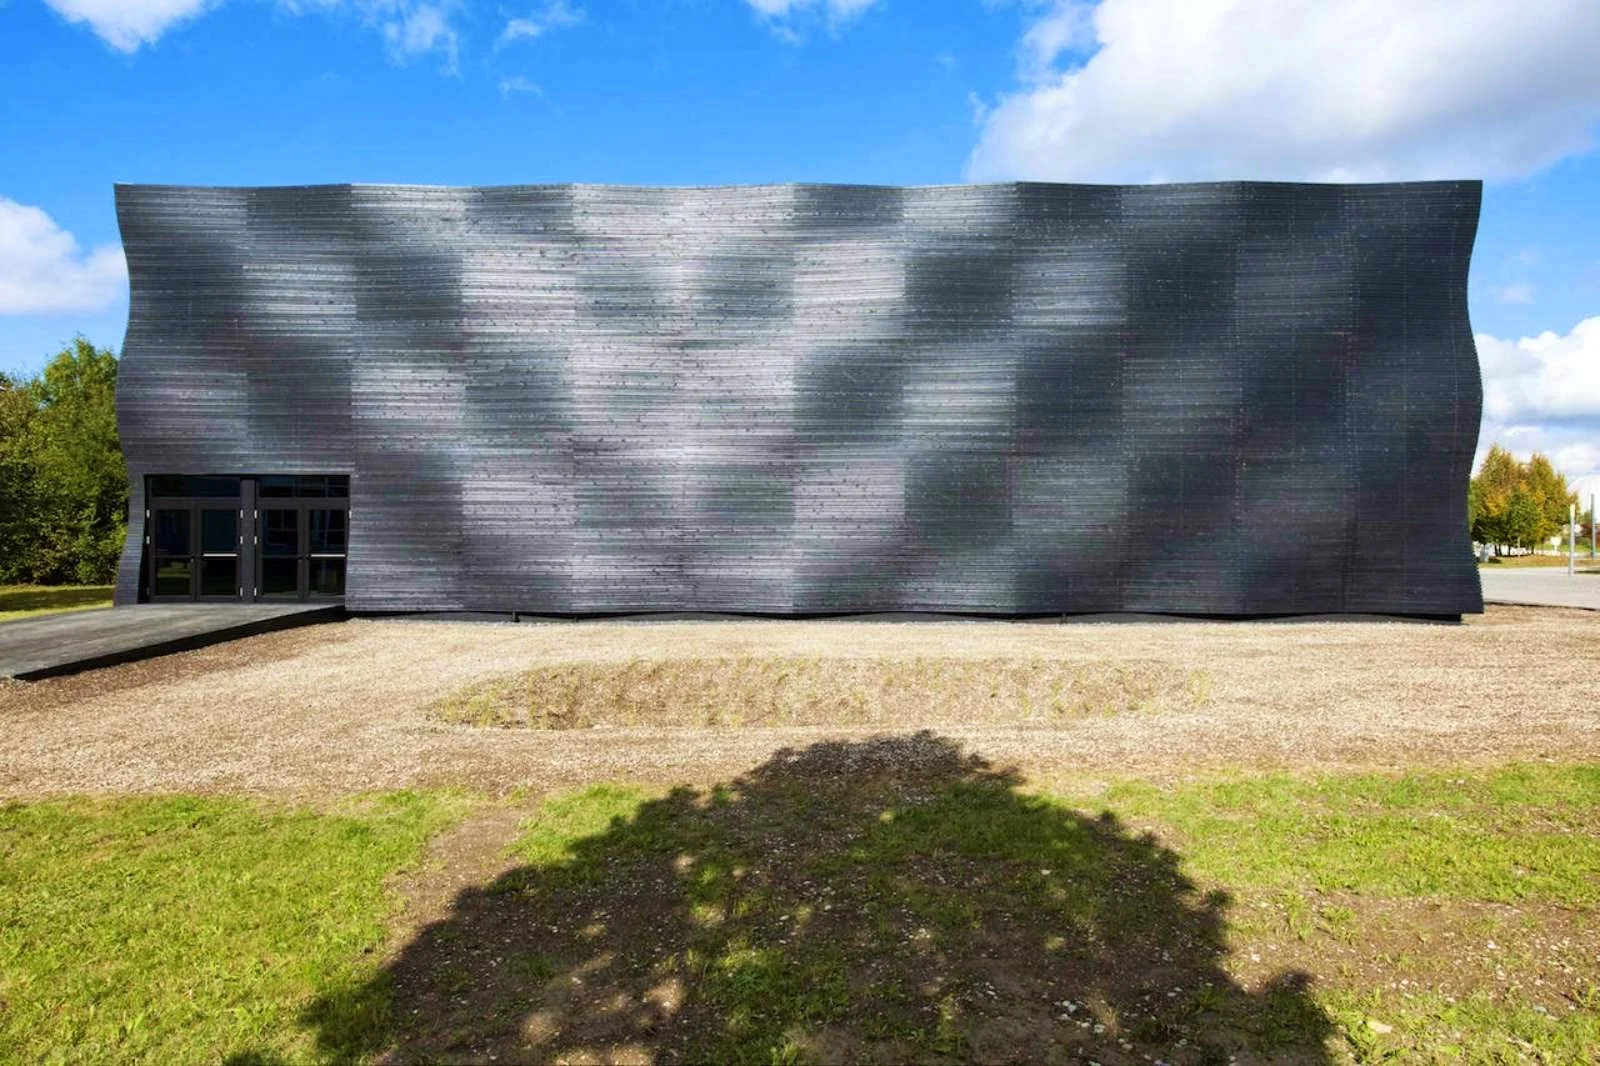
x: 1233, y: 398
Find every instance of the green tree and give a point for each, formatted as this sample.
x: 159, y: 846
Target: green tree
x: 1523, y: 518
x: 65, y: 497
x: 18, y: 404
x: 1497, y: 478
x: 1549, y: 491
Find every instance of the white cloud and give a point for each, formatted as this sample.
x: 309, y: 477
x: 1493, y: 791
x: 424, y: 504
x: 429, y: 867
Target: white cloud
x: 519, y: 84
x: 980, y: 110
x: 1066, y: 27
x: 1517, y: 293
x: 1542, y: 394
x: 1574, y: 450
x: 409, y: 28
x: 836, y: 8
x: 414, y: 30
x: 1297, y: 89
x: 782, y: 12
x: 1537, y: 379
x: 553, y: 16
x: 127, y: 24
x: 43, y: 270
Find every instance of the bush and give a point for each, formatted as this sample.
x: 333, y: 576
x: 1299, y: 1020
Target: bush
x: 63, y: 484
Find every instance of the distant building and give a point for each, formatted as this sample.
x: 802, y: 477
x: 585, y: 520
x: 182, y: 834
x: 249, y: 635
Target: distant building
x: 1023, y: 399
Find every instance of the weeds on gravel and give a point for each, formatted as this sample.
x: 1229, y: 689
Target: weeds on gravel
x: 816, y: 690
x: 183, y: 929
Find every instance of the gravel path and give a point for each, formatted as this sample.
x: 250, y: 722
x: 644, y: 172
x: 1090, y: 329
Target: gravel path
x: 345, y: 707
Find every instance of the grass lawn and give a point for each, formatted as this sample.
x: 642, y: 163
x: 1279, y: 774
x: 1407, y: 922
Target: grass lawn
x: 185, y: 929
x: 872, y: 901
x: 25, y: 601
x: 1542, y: 560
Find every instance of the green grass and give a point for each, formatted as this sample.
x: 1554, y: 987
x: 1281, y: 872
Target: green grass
x: 833, y: 904
x: 1426, y: 1027
x: 173, y: 930
x: 1520, y: 833
x: 25, y: 601
x: 971, y: 864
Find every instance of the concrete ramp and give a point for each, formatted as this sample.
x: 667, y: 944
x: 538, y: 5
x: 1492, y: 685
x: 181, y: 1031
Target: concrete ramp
x: 34, y: 648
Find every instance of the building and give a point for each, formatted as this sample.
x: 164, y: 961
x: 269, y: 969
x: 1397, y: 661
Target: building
x: 1023, y: 399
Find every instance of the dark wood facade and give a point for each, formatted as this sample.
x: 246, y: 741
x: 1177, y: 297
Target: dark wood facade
x: 1228, y: 399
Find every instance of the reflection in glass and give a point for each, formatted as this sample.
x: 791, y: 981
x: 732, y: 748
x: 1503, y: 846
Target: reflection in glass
x: 280, y: 532
x: 172, y: 532
x: 277, y: 486
x: 280, y: 577
x: 327, y: 577
x: 172, y: 577
x: 178, y: 485
x: 327, y: 530
x: 219, y: 577
x: 219, y: 531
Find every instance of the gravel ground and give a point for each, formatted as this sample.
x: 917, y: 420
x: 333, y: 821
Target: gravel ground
x: 346, y: 707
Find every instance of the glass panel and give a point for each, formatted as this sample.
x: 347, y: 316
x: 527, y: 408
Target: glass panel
x: 219, y: 577
x: 172, y: 532
x: 172, y: 577
x: 277, y: 486
x: 311, y: 486
x: 280, y: 532
x: 176, y: 485
x: 327, y: 530
x: 280, y: 577
x: 211, y: 486
x: 219, y: 531
x: 339, y: 485
x: 327, y: 577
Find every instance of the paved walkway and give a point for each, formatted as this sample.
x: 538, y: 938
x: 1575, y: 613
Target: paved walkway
x: 65, y: 643
x: 1542, y: 586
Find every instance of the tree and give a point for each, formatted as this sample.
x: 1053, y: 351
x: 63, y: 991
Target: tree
x: 1523, y: 518
x: 1496, y: 479
x: 1549, y: 492
x: 64, y: 507
x: 18, y: 405
x: 1516, y: 503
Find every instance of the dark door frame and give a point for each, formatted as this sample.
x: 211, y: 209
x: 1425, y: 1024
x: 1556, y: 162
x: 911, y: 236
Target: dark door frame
x: 302, y: 506
x: 196, y: 554
x: 247, y: 553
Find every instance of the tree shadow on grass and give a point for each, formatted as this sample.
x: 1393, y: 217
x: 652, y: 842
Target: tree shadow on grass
x: 882, y: 901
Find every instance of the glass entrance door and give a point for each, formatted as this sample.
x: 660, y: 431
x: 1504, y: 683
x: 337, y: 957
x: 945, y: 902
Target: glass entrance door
x: 303, y: 537
x: 274, y: 537
x: 196, y: 552
x: 196, y: 529
x: 303, y: 550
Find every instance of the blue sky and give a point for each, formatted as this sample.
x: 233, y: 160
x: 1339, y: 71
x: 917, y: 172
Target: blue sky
x: 890, y: 91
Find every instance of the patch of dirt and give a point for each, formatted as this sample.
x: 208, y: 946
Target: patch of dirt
x: 1535, y: 953
x: 471, y: 854
x: 342, y: 708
